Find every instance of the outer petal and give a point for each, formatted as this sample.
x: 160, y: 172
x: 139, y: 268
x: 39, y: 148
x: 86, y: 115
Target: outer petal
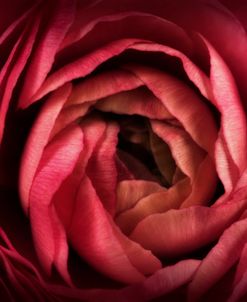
x: 61, y: 16
x: 219, y: 260
x: 56, y: 164
x: 38, y: 139
x: 160, y: 283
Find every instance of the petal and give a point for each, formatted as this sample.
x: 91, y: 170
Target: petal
x: 13, y: 68
x: 81, y: 67
x: 139, y: 101
x: 60, y: 18
x: 37, y: 141
x: 162, y: 282
x: 158, y: 202
x: 57, y: 163
x: 187, y: 154
x: 178, y: 232
x: 101, y: 168
x: 182, y: 102
x: 129, y: 192
x: 64, y: 199
x: 92, y: 236
x: 219, y: 260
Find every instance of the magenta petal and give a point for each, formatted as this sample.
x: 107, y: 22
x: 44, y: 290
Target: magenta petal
x: 219, y: 260
x: 38, y: 139
x: 57, y: 163
x: 177, y: 232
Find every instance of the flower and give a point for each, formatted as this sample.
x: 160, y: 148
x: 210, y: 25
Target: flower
x: 126, y: 124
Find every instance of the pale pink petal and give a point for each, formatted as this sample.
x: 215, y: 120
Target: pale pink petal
x: 56, y: 164
x: 102, y: 85
x: 60, y: 19
x: 178, y: 232
x: 129, y: 192
x: 158, y: 202
x: 139, y: 101
x: 38, y: 139
x: 219, y: 260
x: 203, y: 185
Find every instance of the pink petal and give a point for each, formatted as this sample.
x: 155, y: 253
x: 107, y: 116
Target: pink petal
x: 162, y: 282
x: 185, y: 151
x: 102, y: 85
x: 139, y: 101
x: 158, y: 202
x: 82, y: 67
x: 203, y: 185
x: 64, y: 199
x: 182, y: 102
x: 37, y: 140
x: 101, y: 168
x: 57, y: 163
x: 233, y: 138
x: 219, y: 260
x: 178, y: 232
x: 99, y: 245
x: 60, y: 19
x: 129, y: 192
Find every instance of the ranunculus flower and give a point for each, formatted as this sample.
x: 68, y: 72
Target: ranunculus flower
x: 123, y: 128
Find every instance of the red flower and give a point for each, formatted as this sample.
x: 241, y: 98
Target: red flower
x: 133, y: 118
